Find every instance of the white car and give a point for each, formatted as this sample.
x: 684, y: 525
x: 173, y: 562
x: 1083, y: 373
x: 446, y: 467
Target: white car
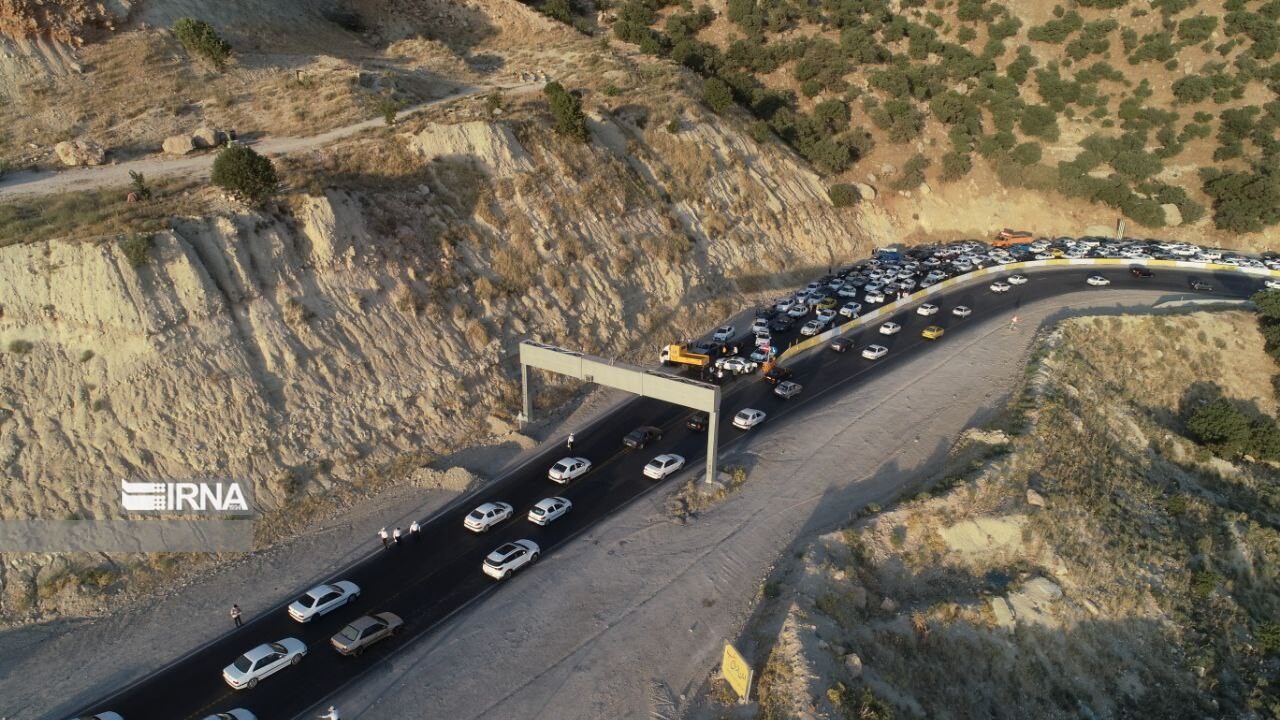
x: 724, y: 333
x: 510, y: 557
x: 875, y: 352
x: 798, y: 310
x: 483, y: 518
x: 570, y: 468
x: 1000, y: 286
x: 764, y: 338
x: 848, y: 291
x: 826, y: 316
x: 927, y: 309
x: 1017, y: 279
x: 322, y: 599
x: 736, y: 365
x: 748, y: 418
x: 784, y: 304
x: 787, y: 389
x: 760, y: 354
x: 263, y: 661
x: 850, y: 309
x: 1271, y: 284
x: 961, y: 311
x: 235, y: 714
x: 548, y: 509
x: 813, y: 327
x: 1097, y: 281
x: 890, y: 328
x: 760, y: 325
x: 663, y: 465
x: 874, y: 297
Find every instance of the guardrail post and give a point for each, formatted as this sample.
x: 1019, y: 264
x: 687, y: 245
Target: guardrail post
x: 713, y: 432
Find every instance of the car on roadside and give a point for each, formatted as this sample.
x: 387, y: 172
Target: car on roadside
x: 748, y: 418
x: 759, y: 325
x: 874, y: 297
x: 787, y: 390
x: 841, y: 344
x: 663, y: 465
x: 485, y: 517
x: 233, y: 714
x: 1271, y: 284
x: 927, y: 309
x: 827, y: 303
x: 263, y: 661
x: 811, y: 328
x: 1000, y: 286
x: 890, y: 328
x: 850, y: 309
x: 570, y: 468
x: 781, y: 323
x: 778, y: 374
x: 961, y: 311
x: 763, y: 353
x: 1199, y: 285
x: 548, y: 509
x: 798, y: 311
x: 641, y: 436
x: 323, y: 599
x: 724, y: 333
x: 1017, y: 280
x: 874, y: 352
x: 105, y: 715
x: 933, y: 332
x: 365, y: 631
x: 1097, y: 281
x: 510, y: 557
x: 784, y: 304
x: 1139, y: 272
x: 736, y: 365
x: 826, y: 316
x: 697, y: 422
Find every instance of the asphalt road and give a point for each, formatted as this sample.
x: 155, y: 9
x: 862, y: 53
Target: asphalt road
x: 426, y: 580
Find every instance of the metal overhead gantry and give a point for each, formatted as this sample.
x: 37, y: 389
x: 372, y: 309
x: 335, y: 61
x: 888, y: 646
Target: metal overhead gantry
x: 631, y: 378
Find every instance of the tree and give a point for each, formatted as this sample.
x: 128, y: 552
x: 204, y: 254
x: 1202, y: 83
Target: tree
x: 1244, y: 201
x: 717, y: 95
x: 843, y: 195
x: 566, y: 110
x: 245, y: 174
x: 1028, y: 153
x: 561, y: 10
x: 956, y: 165
x: 1040, y: 121
x: 199, y: 37
x: 1221, y: 426
x: 138, y: 183
x: 1192, y: 88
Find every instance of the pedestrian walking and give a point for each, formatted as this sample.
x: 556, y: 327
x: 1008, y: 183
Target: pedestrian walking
x: 383, y: 534
x: 235, y: 615
x: 396, y: 536
x: 331, y: 714
x: 414, y: 529
x: 1013, y: 322
x: 569, y: 443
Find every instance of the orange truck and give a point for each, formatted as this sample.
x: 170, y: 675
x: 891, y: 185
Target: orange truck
x: 1008, y: 237
x: 678, y: 355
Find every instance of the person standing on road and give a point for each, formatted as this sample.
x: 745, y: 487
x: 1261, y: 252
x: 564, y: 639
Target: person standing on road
x: 569, y: 443
x: 235, y: 615
x: 1013, y: 322
x: 414, y: 529
x: 396, y: 536
x: 331, y: 714
x: 383, y: 534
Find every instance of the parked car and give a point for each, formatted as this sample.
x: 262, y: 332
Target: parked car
x: 890, y: 328
x: 826, y: 316
x: 724, y: 333
x: 106, y: 715
x: 841, y: 344
x: 763, y: 353
x: 850, y: 309
x: 483, y: 518
x: 262, y: 662
x: 748, y: 418
x: 510, y: 557
x: 827, y: 303
x: 933, y: 332
x: 1000, y: 287
x: 641, y: 436
x: 799, y: 311
x: 549, y: 509
x: 365, y: 631
x: 961, y: 311
x: 1199, y: 285
x: 781, y: 323
x: 874, y: 297
x: 663, y: 465
x: 570, y: 468
x: 874, y: 352
x: 697, y: 422
x: 778, y: 374
x: 787, y: 389
x: 1097, y: 281
x: 927, y: 309
x: 1271, y: 284
x: 1017, y: 279
x: 323, y: 599
x: 759, y: 325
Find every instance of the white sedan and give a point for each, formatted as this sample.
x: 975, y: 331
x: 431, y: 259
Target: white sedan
x: 1000, y: 286
x: 723, y: 333
x: 510, y: 557
x: 1097, y: 281
x: 874, y: 297
x: 813, y: 327
x: 663, y: 465
x: 961, y: 311
x: 890, y: 328
x: 850, y: 309
x: 263, y: 661
x: 798, y: 310
x: 748, y: 418
x: 569, y: 468
x: 927, y: 309
x: 1017, y: 279
x: 875, y: 352
x: 784, y: 304
x: 1271, y: 284
x: 322, y: 599
x: 736, y: 365
x: 483, y: 518
x: 826, y: 315
x: 548, y: 509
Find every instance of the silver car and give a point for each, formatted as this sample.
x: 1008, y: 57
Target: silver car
x: 787, y: 389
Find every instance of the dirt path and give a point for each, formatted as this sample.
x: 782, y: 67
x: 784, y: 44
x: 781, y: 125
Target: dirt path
x: 46, y: 182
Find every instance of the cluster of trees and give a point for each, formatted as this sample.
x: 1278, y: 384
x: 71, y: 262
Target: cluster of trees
x: 566, y: 112
x: 199, y: 38
x: 1230, y: 432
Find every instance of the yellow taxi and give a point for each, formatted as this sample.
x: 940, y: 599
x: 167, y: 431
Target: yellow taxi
x: 933, y: 332
x: 827, y: 303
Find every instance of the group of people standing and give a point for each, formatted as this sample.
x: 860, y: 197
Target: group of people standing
x: 393, y: 538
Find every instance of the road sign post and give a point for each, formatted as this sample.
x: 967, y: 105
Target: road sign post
x: 737, y: 672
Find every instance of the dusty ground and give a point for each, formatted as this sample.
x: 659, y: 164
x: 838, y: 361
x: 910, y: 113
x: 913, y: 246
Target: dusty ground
x: 638, y: 600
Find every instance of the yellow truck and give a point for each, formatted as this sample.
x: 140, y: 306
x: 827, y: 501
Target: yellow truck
x: 679, y: 355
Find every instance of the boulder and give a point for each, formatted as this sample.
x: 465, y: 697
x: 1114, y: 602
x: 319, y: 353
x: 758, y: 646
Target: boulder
x: 74, y: 153
x: 888, y: 168
x: 207, y: 137
x: 854, y: 664
x: 1042, y: 590
x: 888, y: 605
x: 1003, y: 615
x: 865, y: 191
x: 1172, y: 215
x: 178, y: 145
x: 1034, y: 498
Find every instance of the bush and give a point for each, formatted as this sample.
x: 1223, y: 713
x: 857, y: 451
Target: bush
x: 1040, y: 121
x: 566, y: 110
x: 137, y: 248
x: 245, y: 174
x: 1028, y: 153
x: 1192, y: 88
x: 843, y: 195
x: 1197, y: 29
x: 20, y: 347
x: 199, y: 37
x: 562, y: 10
x: 912, y: 174
x: 138, y: 185
x: 1222, y: 427
x: 717, y: 95
x: 956, y: 165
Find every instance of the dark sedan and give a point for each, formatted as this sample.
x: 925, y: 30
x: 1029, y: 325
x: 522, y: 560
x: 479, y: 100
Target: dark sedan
x: 641, y: 436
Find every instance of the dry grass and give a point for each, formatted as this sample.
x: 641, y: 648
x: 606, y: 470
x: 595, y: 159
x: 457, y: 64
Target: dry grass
x: 95, y: 213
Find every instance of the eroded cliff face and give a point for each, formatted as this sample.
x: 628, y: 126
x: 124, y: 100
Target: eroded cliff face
x: 305, y: 347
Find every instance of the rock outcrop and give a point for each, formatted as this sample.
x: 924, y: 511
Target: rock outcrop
x: 77, y: 153
x: 179, y: 144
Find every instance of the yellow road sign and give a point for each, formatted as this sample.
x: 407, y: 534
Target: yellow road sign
x: 736, y: 671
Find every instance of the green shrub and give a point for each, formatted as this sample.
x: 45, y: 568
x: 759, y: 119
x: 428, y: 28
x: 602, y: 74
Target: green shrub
x: 566, y: 112
x: 20, y: 347
x: 1056, y: 31
x: 562, y: 10
x: 138, y: 185
x: 1039, y: 121
x: 1027, y: 153
x: 1268, y: 636
x: 843, y: 195
x: 137, y: 248
x: 912, y: 174
x: 199, y: 37
x: 956, y: 165
x: 1222, y: 427
x: 1197, y: 29
x: 717, y: 95
x: 245, y: 174
x: 1192, y: 88
x: 86, y: 356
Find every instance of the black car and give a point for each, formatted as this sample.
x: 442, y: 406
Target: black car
x: 641, y: 436
x: 781, y: 323
x: 697, y: 422
x: 1199, y: 285
x: 1139, y: 272
x: 778, y: 374
x: 841, y: 344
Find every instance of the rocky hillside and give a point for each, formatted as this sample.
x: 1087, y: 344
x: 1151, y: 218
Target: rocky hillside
x: 367, y: 322
x: 1086, y: 558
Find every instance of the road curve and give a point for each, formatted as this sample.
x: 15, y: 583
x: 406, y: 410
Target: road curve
x: 428, y: 581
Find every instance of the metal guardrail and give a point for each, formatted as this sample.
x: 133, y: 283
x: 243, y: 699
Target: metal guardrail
x: 896, y: 305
